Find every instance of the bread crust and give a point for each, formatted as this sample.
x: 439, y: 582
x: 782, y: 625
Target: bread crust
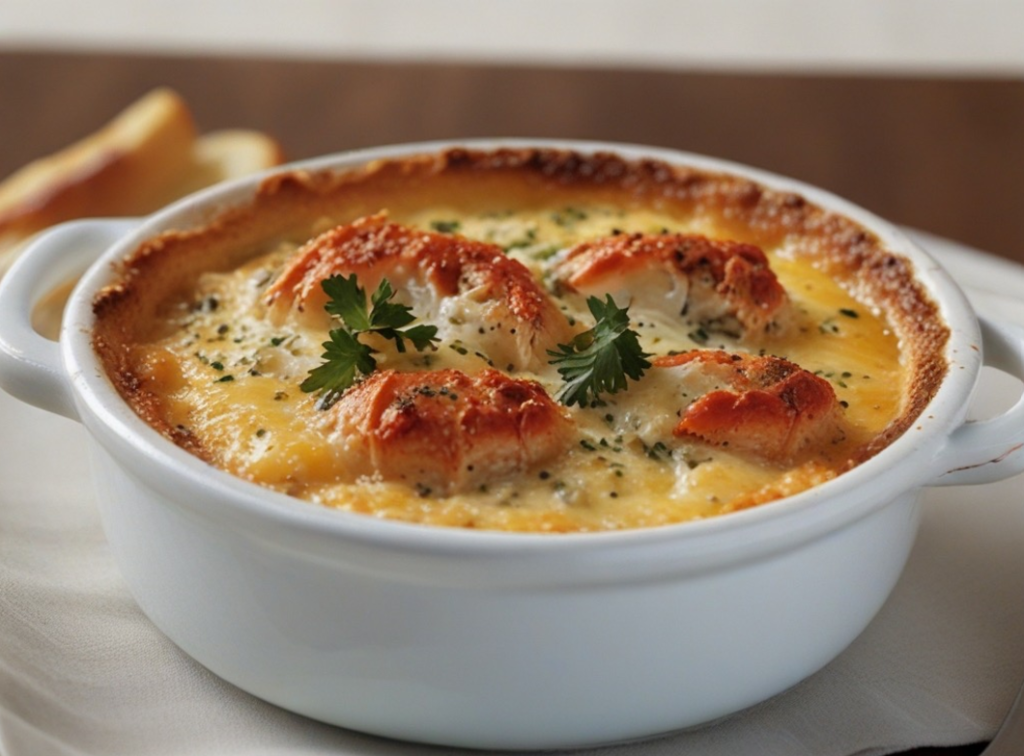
x: 126, y: 168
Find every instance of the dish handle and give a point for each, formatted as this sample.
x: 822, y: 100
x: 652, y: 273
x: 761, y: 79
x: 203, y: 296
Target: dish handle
x: 988, y: 450
x: 31, y: 368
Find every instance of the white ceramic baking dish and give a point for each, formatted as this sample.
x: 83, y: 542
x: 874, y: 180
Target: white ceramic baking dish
x: 486, y: 639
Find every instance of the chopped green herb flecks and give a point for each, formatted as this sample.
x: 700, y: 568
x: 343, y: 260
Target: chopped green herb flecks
x: 568, y: 216
x: 527, y: 240
x: 829, y: 326
x: 700, y: 336
x: 446, y: 226
x: 659, y: 452
x: 545, y: 254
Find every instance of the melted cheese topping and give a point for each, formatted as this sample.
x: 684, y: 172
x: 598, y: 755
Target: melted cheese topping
x: 230, y: 376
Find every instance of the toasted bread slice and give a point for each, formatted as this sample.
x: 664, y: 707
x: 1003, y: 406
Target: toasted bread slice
x: 221, y: 155
x: 147, y: 156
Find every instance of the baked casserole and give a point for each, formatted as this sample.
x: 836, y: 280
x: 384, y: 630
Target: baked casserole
x: 524, y: 339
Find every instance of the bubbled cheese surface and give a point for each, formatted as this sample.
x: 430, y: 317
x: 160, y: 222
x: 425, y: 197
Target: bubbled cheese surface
x: 231, y: 377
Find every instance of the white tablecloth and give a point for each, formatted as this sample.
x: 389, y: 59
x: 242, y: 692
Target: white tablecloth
x: 82, y: 671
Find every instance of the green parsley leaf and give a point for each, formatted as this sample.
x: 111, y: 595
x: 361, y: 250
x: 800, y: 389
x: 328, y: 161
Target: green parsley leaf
x: 345, y: 357
x: 387, y: 317
x: 421, y: 336
x: 347, y: 300
x: 601, y: 359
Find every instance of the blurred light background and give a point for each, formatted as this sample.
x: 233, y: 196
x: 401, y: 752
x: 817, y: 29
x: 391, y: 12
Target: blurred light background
x: 884, y: 36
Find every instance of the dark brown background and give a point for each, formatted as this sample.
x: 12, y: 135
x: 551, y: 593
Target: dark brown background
x: 943, y: 155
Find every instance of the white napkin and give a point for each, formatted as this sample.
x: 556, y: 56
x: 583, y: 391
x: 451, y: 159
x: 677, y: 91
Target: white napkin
x: 82, y: 671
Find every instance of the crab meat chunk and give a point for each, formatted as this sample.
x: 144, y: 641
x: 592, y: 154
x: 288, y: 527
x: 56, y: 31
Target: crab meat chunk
x: 445, y: 431
x: 469, y: 289
x: 723, y: 286
x: 762, y: 406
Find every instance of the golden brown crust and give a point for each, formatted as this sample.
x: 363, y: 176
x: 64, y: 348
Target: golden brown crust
x: 771, y: 408
x: 446, y: 431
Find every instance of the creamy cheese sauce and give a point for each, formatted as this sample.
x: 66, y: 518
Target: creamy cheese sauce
x: 231, y: 380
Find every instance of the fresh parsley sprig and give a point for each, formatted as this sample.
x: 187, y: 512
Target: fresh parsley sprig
x: 347, y: 300
x: 345, y: 357
x: 599, y: 360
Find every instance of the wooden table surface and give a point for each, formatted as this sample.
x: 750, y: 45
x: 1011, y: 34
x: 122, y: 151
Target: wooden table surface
x: 943, y: 155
